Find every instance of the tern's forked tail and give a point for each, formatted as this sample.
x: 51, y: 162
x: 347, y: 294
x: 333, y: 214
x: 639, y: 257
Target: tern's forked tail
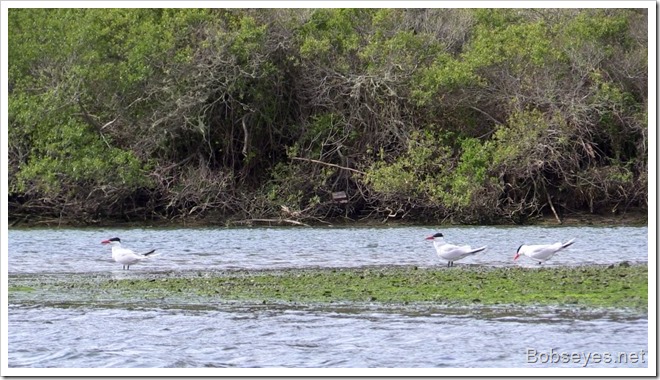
x: 568, y: 243
x: 479, y: 249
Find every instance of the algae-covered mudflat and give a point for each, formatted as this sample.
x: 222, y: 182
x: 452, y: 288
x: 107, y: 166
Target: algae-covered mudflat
x: 617, y: 285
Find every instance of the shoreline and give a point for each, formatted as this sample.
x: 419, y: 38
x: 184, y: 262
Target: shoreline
x: 635, y: 218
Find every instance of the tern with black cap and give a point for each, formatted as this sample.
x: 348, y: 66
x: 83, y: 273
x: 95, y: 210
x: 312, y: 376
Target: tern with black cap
x: 126, y: 257
x: 541, y: 252
x: 452, y: 252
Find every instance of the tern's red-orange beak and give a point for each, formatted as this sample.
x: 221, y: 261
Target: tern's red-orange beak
x: 430, y: 238
x: 516, y: 256
x: 105, y: 242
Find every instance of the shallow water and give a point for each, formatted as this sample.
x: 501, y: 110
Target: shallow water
x: 43, y: 333
x: 79, y: 250
x: 273, y: 336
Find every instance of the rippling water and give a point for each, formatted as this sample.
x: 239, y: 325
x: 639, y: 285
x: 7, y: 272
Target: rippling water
x: 247, y: 335
x: 73, y: 250
x: 288, y: 337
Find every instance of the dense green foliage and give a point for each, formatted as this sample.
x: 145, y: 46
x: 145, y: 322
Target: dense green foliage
x: 469, y: 115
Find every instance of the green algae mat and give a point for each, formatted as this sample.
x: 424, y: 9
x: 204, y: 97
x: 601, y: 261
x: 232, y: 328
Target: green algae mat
x: 618, y: 286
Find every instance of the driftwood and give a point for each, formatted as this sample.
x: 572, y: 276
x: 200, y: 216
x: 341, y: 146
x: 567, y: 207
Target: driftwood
x: 552, y: 207
x: 277, y: 221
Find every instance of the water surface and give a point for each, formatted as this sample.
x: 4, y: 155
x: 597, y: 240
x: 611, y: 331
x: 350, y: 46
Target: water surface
x: 43, y: 333
x: 79, y: 250
x: 289, y: 337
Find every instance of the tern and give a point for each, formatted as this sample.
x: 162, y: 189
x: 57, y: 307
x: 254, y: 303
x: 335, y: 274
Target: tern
x: 541, y: 252
x: 452, y: 252
x: 125, y: 256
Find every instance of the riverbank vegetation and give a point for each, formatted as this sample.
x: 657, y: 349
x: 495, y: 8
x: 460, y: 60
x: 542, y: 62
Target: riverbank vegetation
x: 619, y: 286
x: 303, y: 115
